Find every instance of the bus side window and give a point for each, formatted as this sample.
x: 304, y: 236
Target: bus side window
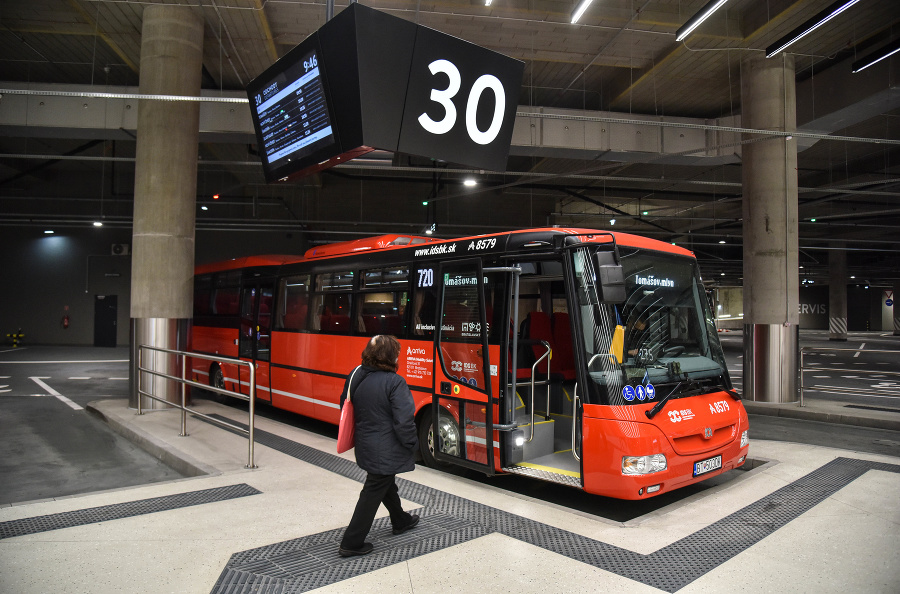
x: 202, y: 295
x: 294, y: 303
x: 333, y: 301
x: 382, y: 301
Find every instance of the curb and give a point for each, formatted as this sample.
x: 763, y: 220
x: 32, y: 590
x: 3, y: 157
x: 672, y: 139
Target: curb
x: 160, y: 450
x: 793, y: 411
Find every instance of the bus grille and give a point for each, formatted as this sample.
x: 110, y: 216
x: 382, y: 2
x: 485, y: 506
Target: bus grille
x: 696, y: 443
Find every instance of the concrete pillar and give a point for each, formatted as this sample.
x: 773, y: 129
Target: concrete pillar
x: 771, y: 265
x: 837, y: 295
x: 165, y: 189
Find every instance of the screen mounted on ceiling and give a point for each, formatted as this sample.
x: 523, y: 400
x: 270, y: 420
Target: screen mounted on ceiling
x: 292, y: 112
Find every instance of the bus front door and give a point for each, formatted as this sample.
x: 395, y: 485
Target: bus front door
x: 256, y: 337
x: 462, y: 405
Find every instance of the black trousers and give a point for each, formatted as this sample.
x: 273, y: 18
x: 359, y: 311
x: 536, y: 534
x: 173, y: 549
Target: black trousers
x: 378, y: 489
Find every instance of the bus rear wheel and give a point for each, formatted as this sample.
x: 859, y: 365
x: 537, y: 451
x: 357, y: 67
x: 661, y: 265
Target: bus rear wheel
x: 217, y: 380
x: 448, y: 431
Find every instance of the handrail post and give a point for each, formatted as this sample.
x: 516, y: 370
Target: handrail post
x: 574, y: 417
x: 252, y: 419
x: 183, y: 395
x: 801, y: 378
x: 140, y: 374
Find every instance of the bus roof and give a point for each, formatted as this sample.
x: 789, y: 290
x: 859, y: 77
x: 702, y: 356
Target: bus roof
x: 246, y: 262
x: 397, y: 241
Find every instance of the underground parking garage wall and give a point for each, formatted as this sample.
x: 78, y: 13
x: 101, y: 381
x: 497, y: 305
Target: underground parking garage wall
x: 41, y: 274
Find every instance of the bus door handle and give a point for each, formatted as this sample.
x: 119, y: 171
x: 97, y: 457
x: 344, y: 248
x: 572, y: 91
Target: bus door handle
x: 574, y: 420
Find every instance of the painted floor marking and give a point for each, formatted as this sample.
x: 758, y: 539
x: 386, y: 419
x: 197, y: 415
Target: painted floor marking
x: 79, y: 378
x: 312, y: 561
x: 54, y: 393
x: 861, y: 347
x: 61, y: 362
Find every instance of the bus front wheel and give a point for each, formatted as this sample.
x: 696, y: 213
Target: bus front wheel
x: 448, y: 431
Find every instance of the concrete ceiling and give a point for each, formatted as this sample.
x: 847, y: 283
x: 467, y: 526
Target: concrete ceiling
x: 619, y: 64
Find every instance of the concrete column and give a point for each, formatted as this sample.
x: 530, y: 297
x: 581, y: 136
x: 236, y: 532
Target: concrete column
x: 771, y: 280
x: 165, y: 189
x: 837, y: 295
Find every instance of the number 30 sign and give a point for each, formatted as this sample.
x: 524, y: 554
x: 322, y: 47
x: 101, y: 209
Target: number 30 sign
x: 460, y: 102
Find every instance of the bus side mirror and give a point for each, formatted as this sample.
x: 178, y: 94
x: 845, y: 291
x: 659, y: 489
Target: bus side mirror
x: 611, y: 278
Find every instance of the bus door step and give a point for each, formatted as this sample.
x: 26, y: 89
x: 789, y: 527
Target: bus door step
x: 545, y: 474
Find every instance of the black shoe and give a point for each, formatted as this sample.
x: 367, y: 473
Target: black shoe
x: 412, y: 524
x: 365, y: 549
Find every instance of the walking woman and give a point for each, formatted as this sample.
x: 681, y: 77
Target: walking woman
x: 385, y: 441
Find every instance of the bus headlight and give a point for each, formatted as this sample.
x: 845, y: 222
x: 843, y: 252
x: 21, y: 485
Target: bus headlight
x: 745, y: 438
x: 643, y: 464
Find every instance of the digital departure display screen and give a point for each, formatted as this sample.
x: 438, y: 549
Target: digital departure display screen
x: 291, y: 112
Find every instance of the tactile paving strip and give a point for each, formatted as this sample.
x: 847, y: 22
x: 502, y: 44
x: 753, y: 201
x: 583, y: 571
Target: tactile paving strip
x: 312, y: 561
x: 118, y: 511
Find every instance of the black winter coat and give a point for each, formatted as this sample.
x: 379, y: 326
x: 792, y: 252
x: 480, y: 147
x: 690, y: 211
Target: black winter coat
x: 385, y: 435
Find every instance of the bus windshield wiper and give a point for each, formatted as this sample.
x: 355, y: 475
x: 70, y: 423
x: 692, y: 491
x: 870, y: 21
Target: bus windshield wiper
x: 695, y: 389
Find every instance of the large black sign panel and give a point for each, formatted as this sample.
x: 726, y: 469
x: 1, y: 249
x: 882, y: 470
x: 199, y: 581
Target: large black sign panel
x: 369, y: 80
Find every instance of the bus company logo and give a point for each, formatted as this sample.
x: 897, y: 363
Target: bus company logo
x: 707, y: 433
x: 412, y: 351
x: 676, y: 416
x: 652, y: 281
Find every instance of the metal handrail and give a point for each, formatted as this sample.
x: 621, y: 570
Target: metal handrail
x: 803, y: 368
x: 574, y: 419
x: 533, y: 373
x: 186, y: 382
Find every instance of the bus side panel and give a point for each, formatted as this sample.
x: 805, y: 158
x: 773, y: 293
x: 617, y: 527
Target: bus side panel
x: 302, y: 390
x: 606, y: 441
x: 213, y: 341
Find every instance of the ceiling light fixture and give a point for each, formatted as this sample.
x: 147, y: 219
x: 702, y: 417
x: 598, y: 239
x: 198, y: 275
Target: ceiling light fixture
x: 809, y: 26
x: 876, y: 57
x: 579, y: 10
x: 487, y: 2
x: 612, y: 221
x: 721, y: 241
x: 98, y: 224
x: 695, y: 21
x: 48, y: 232
x: 470, y: 182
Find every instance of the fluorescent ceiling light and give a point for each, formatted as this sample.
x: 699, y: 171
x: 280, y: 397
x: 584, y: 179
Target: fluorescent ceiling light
x: 694, y: 22
x: 876, y: 57
x: 810, y: 26
x: 470, y: 182
x: 487, y: 2
x: 579, y: 10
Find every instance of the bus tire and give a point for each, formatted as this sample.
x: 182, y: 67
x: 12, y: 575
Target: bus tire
x: 217, y: 380
x: 449, y: 431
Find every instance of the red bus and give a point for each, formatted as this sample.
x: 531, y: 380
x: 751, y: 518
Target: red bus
x: 576, y: 356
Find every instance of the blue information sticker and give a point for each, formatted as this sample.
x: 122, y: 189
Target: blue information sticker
x: 641, y: 392
x: 651, y: 392
x: 628, y: 393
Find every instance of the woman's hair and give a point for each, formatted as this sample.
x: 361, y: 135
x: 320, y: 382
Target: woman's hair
x: 381, y: 353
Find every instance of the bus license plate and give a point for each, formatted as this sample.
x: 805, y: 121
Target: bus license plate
x: 708, y: 465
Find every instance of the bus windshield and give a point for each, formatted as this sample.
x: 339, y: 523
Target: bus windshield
x: 661, y: 340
